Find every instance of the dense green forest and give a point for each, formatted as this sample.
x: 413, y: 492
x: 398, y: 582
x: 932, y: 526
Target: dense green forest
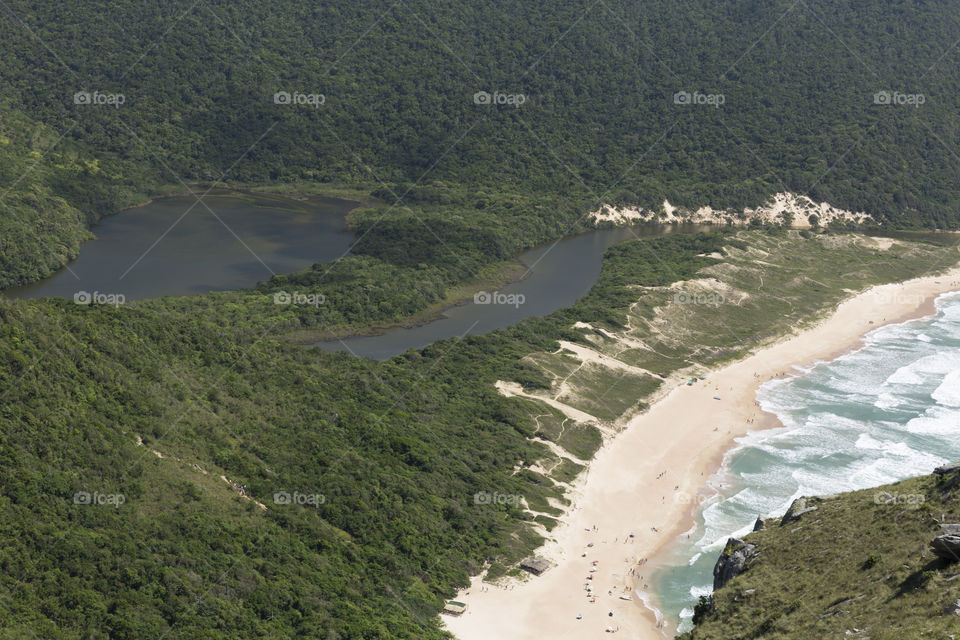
x: 394, y: 452
x: 51, y: 190
x: 478, y: 129
x: 177, y: 403
x: 783, y: 96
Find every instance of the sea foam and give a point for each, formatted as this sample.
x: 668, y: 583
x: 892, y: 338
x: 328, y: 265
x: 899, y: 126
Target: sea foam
x: 887, y: 411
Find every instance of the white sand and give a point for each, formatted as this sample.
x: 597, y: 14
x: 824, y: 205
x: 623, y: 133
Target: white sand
x: 800, y: 207
x: 684, y: 434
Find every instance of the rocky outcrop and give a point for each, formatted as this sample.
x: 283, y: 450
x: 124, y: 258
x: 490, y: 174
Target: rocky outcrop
x: 799, y: 507
x: 945, y: 472
x: 760, y: 524
x: 947, y: 469
x: 733, y: 561
x: 946, y: 547
x: 950, y: 529
x: 953, y: 609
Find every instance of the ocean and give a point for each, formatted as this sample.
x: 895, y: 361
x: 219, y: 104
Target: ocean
x: 888, y: 411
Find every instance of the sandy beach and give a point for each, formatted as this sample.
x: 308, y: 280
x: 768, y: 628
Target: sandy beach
x: 641, y: 488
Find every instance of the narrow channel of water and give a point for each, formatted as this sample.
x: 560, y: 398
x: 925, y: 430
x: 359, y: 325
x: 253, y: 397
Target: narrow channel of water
x: 177, y: 246
x: 560, y: 273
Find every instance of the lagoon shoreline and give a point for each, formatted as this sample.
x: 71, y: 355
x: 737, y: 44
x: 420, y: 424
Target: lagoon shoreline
x: 649, y: 478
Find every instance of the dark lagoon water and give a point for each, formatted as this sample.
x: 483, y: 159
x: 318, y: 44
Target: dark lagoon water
x: 559, y: 274
x: 177, y: 246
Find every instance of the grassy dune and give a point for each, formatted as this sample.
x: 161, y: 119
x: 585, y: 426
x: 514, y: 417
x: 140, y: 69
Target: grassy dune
x: 657, y: 327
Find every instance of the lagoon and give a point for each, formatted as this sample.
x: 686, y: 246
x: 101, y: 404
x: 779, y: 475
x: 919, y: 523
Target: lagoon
x: 178, y: 246
x: 558, y: 274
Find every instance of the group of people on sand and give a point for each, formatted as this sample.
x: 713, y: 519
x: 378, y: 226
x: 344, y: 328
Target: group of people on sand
x: 623, y: 593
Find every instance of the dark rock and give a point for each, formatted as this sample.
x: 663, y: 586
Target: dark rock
x: 947, y: 468
x: 799, y: 507
x: 946, y: 547
x: 760, y: 524
x: 733, y: 561
x: 953, y: 609
x: 951, y: 483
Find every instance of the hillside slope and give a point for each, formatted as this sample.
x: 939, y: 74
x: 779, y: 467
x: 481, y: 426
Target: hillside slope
x: 699, y: 103
x: 51, y: 190
x: 857, y: 565
x: 161, y: 411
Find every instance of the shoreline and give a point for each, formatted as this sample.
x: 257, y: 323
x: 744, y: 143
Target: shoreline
x: 766, y: 420
x: 647, y: 480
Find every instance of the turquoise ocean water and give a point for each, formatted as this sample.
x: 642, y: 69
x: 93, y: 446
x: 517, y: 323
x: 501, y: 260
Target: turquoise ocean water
x: 888, y: 411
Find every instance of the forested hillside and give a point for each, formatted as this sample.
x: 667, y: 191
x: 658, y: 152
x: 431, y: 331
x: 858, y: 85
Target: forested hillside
x: 51, y: 189
x: 170, y: 468
x: 855, y: 103
x: 178, y: 426
x: 139, y: 442
x: 384, y: 453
